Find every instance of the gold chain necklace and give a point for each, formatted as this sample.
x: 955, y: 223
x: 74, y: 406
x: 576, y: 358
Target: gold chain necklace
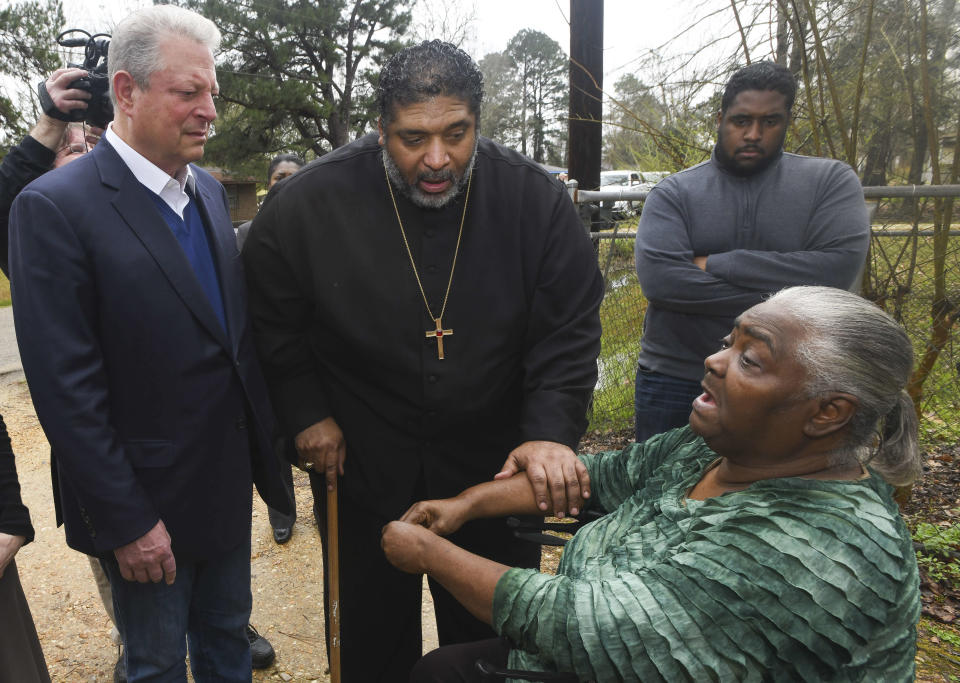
x: 439, y: 333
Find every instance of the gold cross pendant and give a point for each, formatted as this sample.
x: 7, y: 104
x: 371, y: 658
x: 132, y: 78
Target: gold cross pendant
x: 439, y: 333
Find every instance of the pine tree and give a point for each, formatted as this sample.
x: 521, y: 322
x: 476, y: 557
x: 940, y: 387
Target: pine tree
x: 297, y: 74
x: 28, y: 53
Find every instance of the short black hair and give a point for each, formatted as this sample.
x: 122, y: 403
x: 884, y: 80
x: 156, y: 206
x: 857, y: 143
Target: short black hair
x: 760, y: 76
x: 431, y: 69
x: 279, y: 159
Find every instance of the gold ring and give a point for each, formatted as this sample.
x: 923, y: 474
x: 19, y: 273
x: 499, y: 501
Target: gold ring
x: 308, y: 465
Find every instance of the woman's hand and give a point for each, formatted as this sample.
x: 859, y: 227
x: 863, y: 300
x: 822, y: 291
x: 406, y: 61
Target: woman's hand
x: 442, y: 517
x: 9, y: 545
x: 408, y: 546
x: 471, y: 579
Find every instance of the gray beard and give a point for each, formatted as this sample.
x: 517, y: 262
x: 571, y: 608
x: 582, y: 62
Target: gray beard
x: 418, y: 196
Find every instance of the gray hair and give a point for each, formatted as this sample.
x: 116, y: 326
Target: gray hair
x: 852, y: 346
x: 135, y: 44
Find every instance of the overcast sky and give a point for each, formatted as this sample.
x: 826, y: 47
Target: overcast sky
x: 631, y: 27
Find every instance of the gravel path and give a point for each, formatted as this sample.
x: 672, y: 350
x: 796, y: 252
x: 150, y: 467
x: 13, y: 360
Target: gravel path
x: 9, y: 355
x: 73, y: 628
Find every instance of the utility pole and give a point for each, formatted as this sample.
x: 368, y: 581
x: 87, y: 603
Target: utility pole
x: 586, y: 92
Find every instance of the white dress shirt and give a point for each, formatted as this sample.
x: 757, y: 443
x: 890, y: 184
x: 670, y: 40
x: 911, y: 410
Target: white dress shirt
x: 171, y: 190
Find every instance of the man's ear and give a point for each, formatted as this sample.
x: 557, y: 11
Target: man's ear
x: 123, y: 88
x: 380, y: 130
x: 835, y: 411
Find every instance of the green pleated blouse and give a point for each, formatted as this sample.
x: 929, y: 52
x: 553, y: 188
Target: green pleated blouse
x: 790, y: 579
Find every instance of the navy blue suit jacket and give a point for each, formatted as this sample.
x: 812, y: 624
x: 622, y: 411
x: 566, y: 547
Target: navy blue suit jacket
x: 152, y: 410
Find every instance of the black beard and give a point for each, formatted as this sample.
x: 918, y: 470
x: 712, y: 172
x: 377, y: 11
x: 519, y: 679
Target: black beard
x: 417, y: 196
x: 730, y: 164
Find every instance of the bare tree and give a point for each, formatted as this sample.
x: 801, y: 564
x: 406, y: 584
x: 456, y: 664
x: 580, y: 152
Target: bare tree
x: 451, y: 22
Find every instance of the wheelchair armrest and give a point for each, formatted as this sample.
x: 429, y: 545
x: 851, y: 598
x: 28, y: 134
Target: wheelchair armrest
x: 529, y: 531
x: 495, y: 673
x: 540, y: 539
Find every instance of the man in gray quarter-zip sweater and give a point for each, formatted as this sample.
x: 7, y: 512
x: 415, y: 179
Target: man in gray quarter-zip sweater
x: 717, y: 238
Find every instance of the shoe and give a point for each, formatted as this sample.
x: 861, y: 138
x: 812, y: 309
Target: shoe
x: 261, y: 651
x: 281, y: 534
x: 120, y: 669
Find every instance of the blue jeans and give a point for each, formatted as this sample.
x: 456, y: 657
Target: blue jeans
x: 661, y: 402
x: 207, y: 607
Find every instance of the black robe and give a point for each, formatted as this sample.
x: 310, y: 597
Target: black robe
x: 341, y: 326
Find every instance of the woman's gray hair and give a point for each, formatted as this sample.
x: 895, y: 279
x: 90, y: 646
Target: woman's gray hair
x: 136, y: 41
x: 852, y: 346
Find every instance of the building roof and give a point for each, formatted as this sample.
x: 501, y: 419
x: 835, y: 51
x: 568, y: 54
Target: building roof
x: 227, y: 177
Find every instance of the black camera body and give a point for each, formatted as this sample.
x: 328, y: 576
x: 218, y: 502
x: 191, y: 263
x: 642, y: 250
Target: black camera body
x: 99, y: 111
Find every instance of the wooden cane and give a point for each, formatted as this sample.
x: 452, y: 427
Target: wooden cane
x: 333, y: 582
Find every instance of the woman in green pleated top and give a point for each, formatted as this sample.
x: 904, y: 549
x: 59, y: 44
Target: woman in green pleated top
x: 761, y: 542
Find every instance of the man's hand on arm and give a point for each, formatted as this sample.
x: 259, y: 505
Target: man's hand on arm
x: 149, y: 558
x: 555, y: 472
x: 9, y: 545
x: 321, y: 447
x: 49, y: 131
x: 700, y: 262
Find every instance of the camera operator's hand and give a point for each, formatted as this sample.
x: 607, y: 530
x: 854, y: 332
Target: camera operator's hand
x: 65, y: 98
x: 49, y: 131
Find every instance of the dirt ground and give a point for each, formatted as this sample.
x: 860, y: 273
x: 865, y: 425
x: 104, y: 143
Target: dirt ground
x: 936, y: 500
x: 75, y: 631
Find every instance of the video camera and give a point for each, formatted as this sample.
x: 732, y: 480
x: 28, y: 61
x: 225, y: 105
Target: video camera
x: 99, y: 111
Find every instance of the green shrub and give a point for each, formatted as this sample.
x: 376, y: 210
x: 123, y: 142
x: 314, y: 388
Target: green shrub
x: 940, y: 547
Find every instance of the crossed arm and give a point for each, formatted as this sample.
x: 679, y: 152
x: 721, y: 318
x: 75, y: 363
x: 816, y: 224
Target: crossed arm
x: 828, y: 247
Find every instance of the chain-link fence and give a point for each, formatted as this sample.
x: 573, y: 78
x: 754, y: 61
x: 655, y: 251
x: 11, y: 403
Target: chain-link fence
x: 910, y: 267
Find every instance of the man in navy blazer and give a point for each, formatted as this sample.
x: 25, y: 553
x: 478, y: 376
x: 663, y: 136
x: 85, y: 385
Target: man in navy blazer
x: 130, y: 311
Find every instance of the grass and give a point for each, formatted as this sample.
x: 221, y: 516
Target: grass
x: 907, y: 294
x: 4, y: 290
x: 621, y: 316
x: 938, y: 557
x: 938, y: 651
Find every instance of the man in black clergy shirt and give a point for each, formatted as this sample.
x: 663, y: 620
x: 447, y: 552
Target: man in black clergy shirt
x: 425, y: 304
